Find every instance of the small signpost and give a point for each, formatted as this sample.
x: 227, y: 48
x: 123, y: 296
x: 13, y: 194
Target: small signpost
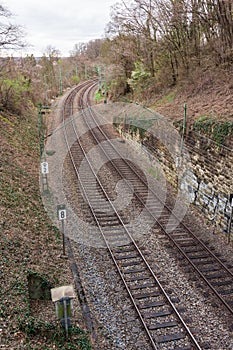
x: 63, y: 299
x: 44, y: 172
x: 61, y: 214
x: 230, y: 219
x: 44, y: 168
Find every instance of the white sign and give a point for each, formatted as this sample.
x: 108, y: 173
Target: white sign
x: 61, y: 292
x: 62, y: 214
x: 44, y: 168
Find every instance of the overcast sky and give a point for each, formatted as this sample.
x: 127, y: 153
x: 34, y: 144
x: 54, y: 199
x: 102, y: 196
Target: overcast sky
x: 60, y: 23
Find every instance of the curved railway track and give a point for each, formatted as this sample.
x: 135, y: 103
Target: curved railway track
x: 158, y: 315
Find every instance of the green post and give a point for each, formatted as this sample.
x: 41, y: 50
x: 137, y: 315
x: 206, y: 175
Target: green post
x: 65, y: 300
x: 229, y: 227
x: 230, y: 219
x: 45, y: 89
x: 99, y: 74
x: 60, y: 81
x: 40, y: 129
x: 184, y: 129
x: 105, y: 85
x: 85, y: 67
x: 185, y: 120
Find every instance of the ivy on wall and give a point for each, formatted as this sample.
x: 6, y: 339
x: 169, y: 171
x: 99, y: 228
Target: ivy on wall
x: 217, y: 130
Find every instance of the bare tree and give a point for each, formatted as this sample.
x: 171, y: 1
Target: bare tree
x: 134, y: 21
x: 217, y: 22
x: 11, y: 35
x: 52, y: 53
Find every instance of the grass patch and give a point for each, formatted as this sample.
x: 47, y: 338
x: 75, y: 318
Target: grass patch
x: 166, y: 99
x: 53, y: 334
x: 154, y: 173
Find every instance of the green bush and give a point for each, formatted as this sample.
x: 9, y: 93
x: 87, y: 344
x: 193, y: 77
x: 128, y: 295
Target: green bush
x: 14, y: 93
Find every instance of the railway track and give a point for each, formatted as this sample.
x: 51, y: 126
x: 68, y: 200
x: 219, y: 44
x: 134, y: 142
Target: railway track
x: 163, y: 324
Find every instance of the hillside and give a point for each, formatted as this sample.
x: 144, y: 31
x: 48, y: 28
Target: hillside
x: 30, y: 246
x: 208, y: 93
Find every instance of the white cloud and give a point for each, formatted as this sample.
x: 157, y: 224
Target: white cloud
x: 60, y: 23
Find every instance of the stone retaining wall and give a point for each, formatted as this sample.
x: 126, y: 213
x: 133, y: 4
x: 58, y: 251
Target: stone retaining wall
x: 207, y: 182
x: 211, y: 178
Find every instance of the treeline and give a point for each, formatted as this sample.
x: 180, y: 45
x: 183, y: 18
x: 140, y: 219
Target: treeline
x: 149, y: 45
x: 28, y: 81
x: 154, y: 44
x: 161, y: 42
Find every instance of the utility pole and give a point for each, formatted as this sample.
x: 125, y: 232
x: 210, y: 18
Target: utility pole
x: 184, y: 130
x: 105, y: 85
x: 99, y: 73
x: 60, y: 80
x: 85, y: 71
x: 179, y: 159
x: 45, y: 89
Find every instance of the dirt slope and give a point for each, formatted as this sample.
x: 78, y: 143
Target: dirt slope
x: 207, y: 94
x: 29, y: 245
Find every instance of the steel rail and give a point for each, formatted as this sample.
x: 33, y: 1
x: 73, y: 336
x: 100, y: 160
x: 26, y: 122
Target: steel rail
x: 101, y: 231
x: 224, y: 267
x: 192, y: 338
x: 81, y: 293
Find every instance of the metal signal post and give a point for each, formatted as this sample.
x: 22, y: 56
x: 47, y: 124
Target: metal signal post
x: 61, y: 213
